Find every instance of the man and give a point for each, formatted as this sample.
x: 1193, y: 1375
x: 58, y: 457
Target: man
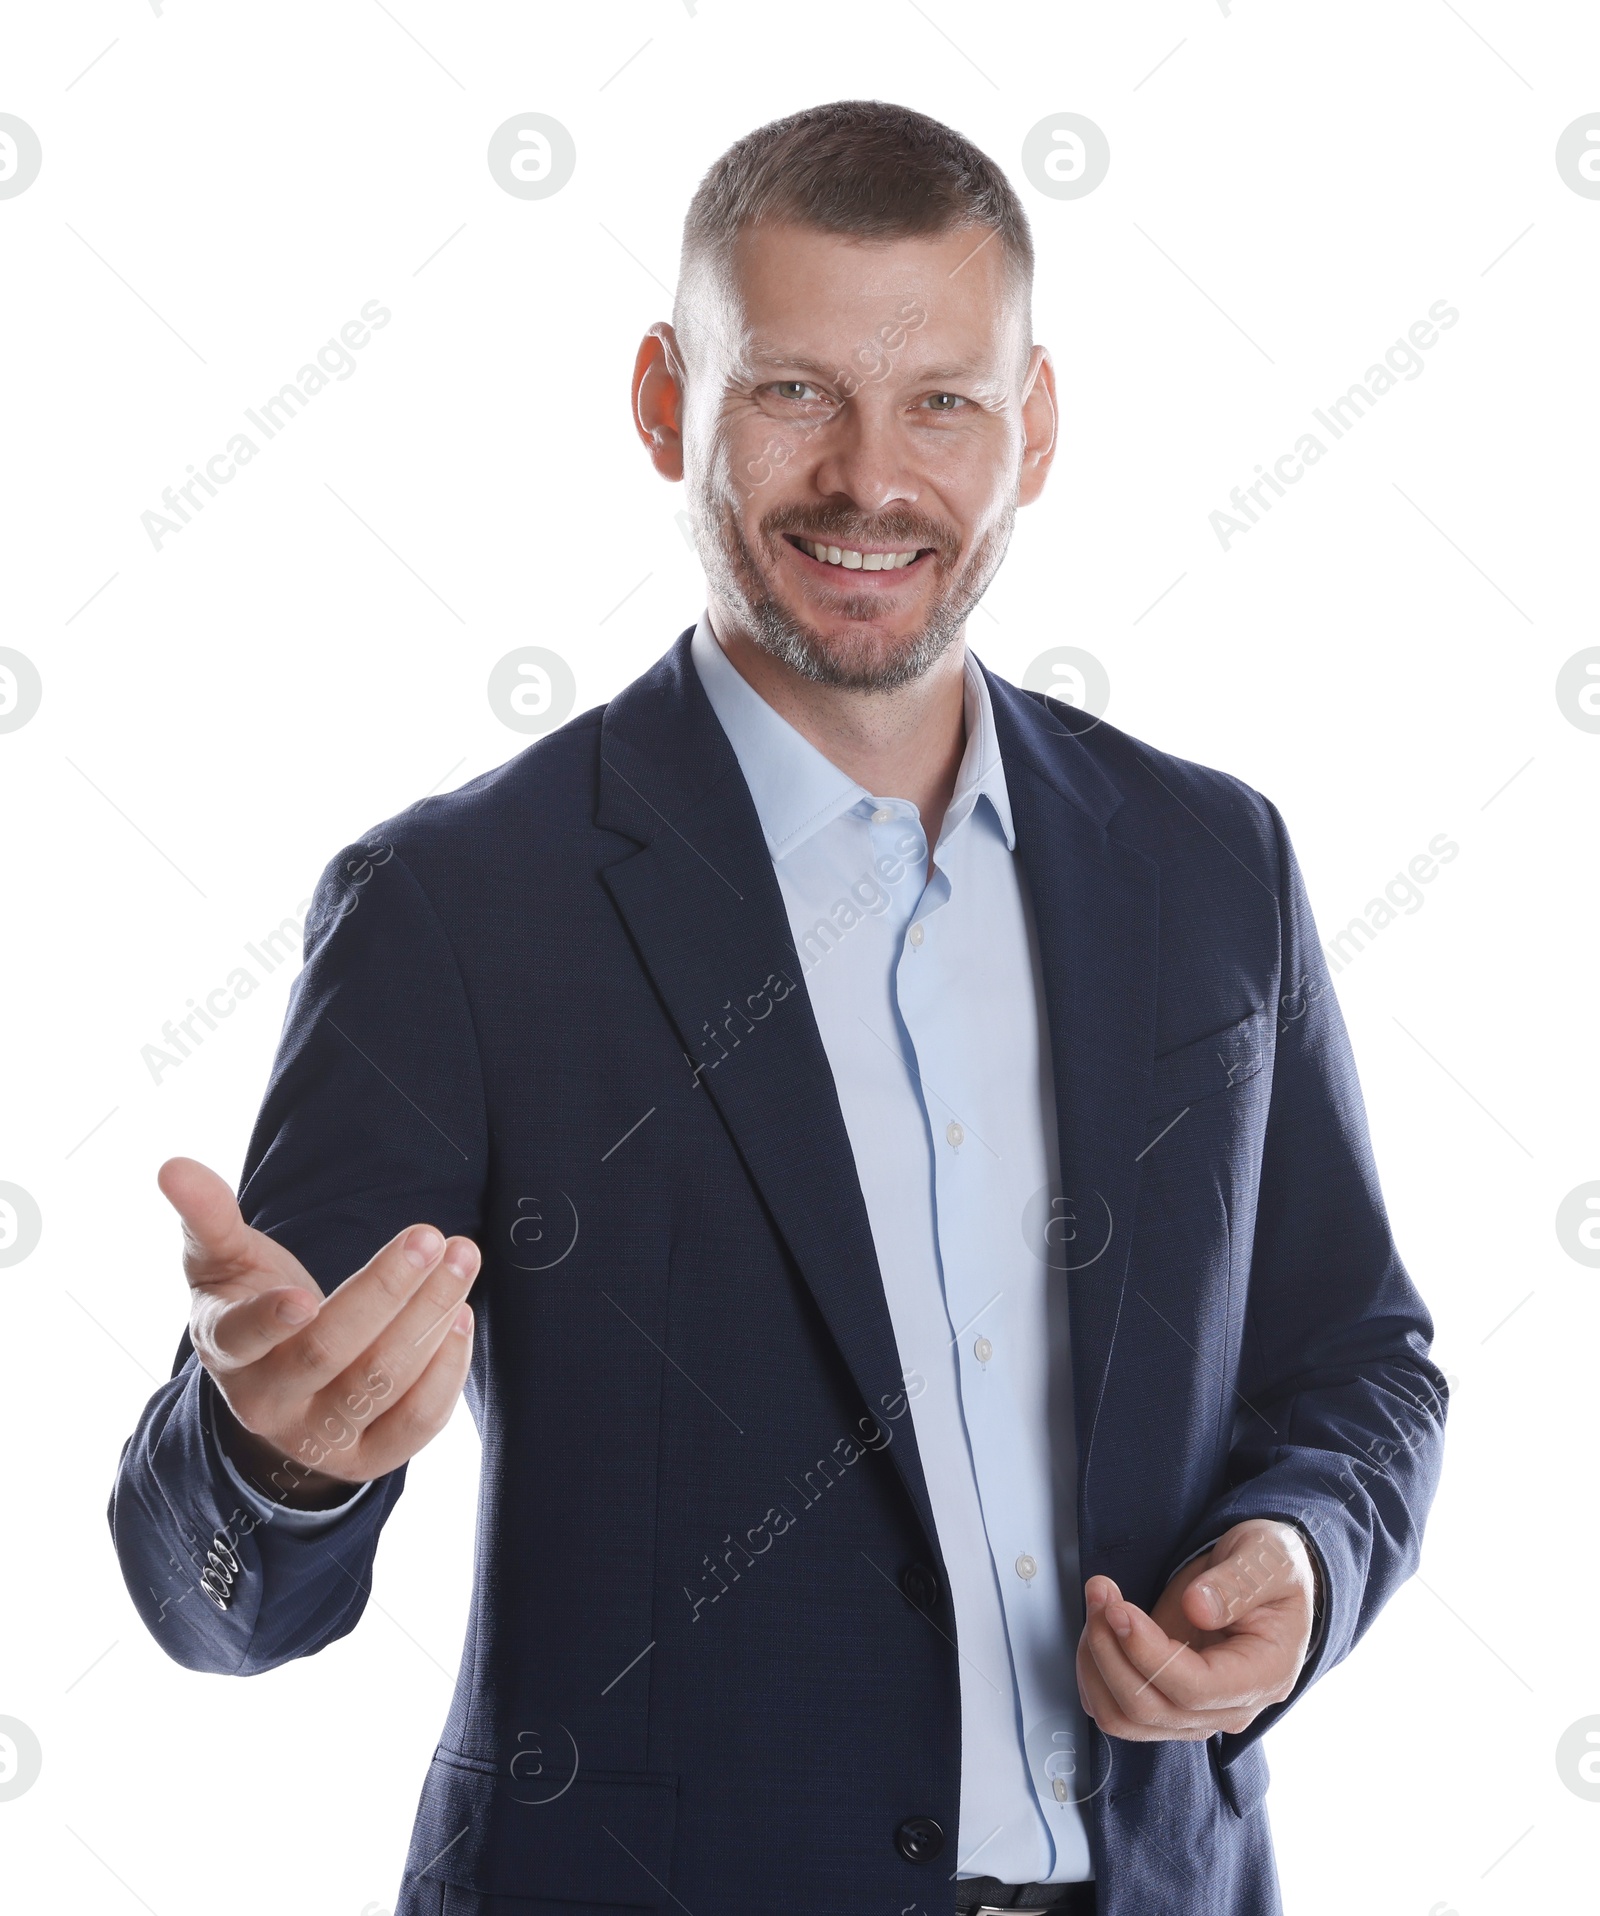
x: 945, y: 1381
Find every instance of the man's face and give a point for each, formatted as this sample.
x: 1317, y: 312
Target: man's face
x: 860, y: 423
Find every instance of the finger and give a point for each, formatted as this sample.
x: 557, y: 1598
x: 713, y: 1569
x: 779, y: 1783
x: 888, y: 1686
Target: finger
x: 1099, y: 1702
x: 1093, y: 1696
x: 1161, y: 1682
x: 332, y: 1434
x: 1248, y: 1668
x: 230, y: 1334
x: 421, y: 1412
x: 358, y: 1312
x: 385, y: 1371
x: 1142, y: 1723
x: 1250, y: 1566
x: 1156, y: 1663
x: 1136, y: 1696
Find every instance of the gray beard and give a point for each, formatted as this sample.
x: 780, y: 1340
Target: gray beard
x: 864, y: 666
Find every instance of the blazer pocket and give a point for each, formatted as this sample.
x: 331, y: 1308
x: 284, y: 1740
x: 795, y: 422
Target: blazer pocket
x: 1244, y: 1780
x: 1205, y: 1066
x: 606, y: 1838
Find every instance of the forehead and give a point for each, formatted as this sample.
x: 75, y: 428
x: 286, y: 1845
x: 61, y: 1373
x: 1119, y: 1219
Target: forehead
x: 800, y: 291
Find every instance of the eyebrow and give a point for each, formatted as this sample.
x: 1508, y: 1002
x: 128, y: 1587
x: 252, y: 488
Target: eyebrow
x: 768, y: 359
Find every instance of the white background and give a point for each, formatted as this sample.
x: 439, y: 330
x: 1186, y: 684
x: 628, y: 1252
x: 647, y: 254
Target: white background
x: 1289, y: 191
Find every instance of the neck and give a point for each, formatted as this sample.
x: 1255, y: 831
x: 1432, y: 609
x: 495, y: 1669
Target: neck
x: 905, y: 742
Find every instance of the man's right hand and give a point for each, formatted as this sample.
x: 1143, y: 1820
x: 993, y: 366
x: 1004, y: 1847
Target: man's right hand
x: 325, y: 1393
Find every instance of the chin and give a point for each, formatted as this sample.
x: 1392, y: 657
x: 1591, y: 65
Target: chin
x: 857, y: 621
x: 860, y: 645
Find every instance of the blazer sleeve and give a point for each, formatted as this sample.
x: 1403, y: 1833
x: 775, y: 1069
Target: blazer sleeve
x: 373, y: 1120
x: 1345, y: 1426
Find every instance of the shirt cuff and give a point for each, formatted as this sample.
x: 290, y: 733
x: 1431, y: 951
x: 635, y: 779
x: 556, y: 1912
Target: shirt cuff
x: 285, y: 1516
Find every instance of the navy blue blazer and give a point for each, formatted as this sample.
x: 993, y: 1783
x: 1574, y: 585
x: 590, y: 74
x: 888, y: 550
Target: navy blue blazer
x: 559, y: 1010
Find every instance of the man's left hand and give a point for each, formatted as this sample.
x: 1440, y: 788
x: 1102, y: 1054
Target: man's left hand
x: 1226, y: 1639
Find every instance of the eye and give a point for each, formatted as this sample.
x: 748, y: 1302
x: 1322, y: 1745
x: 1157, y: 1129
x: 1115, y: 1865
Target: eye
x: 944, y: 402
x: 795, y: 389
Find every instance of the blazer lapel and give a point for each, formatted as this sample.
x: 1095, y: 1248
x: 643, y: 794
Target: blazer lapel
x: 1095, y: 903
x: 702, y: 903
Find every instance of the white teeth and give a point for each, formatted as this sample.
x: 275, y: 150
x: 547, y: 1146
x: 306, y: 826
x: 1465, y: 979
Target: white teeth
x: 854, y: 561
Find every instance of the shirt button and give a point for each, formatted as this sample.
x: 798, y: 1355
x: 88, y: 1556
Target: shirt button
x: 916, y: 934
x: 882, y: 815
x: 954, y: 1133
x: 983, y: 1350
x: 1027, y: 1569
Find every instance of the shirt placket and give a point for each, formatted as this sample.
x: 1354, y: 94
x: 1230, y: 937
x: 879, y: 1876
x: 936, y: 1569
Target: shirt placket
x: 970, y: 1195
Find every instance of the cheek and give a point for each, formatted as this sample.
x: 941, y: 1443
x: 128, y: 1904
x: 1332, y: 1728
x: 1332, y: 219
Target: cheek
x: 766, y: 462
x: 790, y: 447
x: 717, y: 440
x: 732, y: 454
x: 730, y: 497
x: 708, y: 452
x: 976, y: 466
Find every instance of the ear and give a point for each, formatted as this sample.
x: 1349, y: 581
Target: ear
x: 1039, y: 422
x: 658, y: 399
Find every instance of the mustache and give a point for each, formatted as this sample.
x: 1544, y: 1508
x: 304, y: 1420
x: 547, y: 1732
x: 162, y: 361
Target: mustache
x: 843, y: 525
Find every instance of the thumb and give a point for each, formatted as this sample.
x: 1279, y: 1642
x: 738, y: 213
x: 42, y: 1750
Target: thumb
x: 1250, y: 1566
x: 214, y: 1229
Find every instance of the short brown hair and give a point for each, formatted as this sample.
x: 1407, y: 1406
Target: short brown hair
x: 859, y: 167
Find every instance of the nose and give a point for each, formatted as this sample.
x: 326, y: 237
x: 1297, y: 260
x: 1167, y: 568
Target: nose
x: 864, y: 459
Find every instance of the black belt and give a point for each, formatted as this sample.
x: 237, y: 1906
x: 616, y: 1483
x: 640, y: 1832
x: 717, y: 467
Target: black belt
x: 974, y: 1893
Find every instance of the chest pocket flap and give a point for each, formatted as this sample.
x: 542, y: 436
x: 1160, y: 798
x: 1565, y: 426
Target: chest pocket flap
x: 1216, y: 1062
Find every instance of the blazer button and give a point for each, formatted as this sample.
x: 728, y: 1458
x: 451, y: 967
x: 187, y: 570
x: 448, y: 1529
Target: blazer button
x: 919, y: 1839
x: 222, y: 1566
x: 920, y: 1584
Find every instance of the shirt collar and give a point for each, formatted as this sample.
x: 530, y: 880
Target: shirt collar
x: 797, y: 791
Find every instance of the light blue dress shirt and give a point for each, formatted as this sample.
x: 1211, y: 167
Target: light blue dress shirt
x: 928, y: 997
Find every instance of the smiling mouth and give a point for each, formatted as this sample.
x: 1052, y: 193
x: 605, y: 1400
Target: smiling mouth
x: 853, y: 559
